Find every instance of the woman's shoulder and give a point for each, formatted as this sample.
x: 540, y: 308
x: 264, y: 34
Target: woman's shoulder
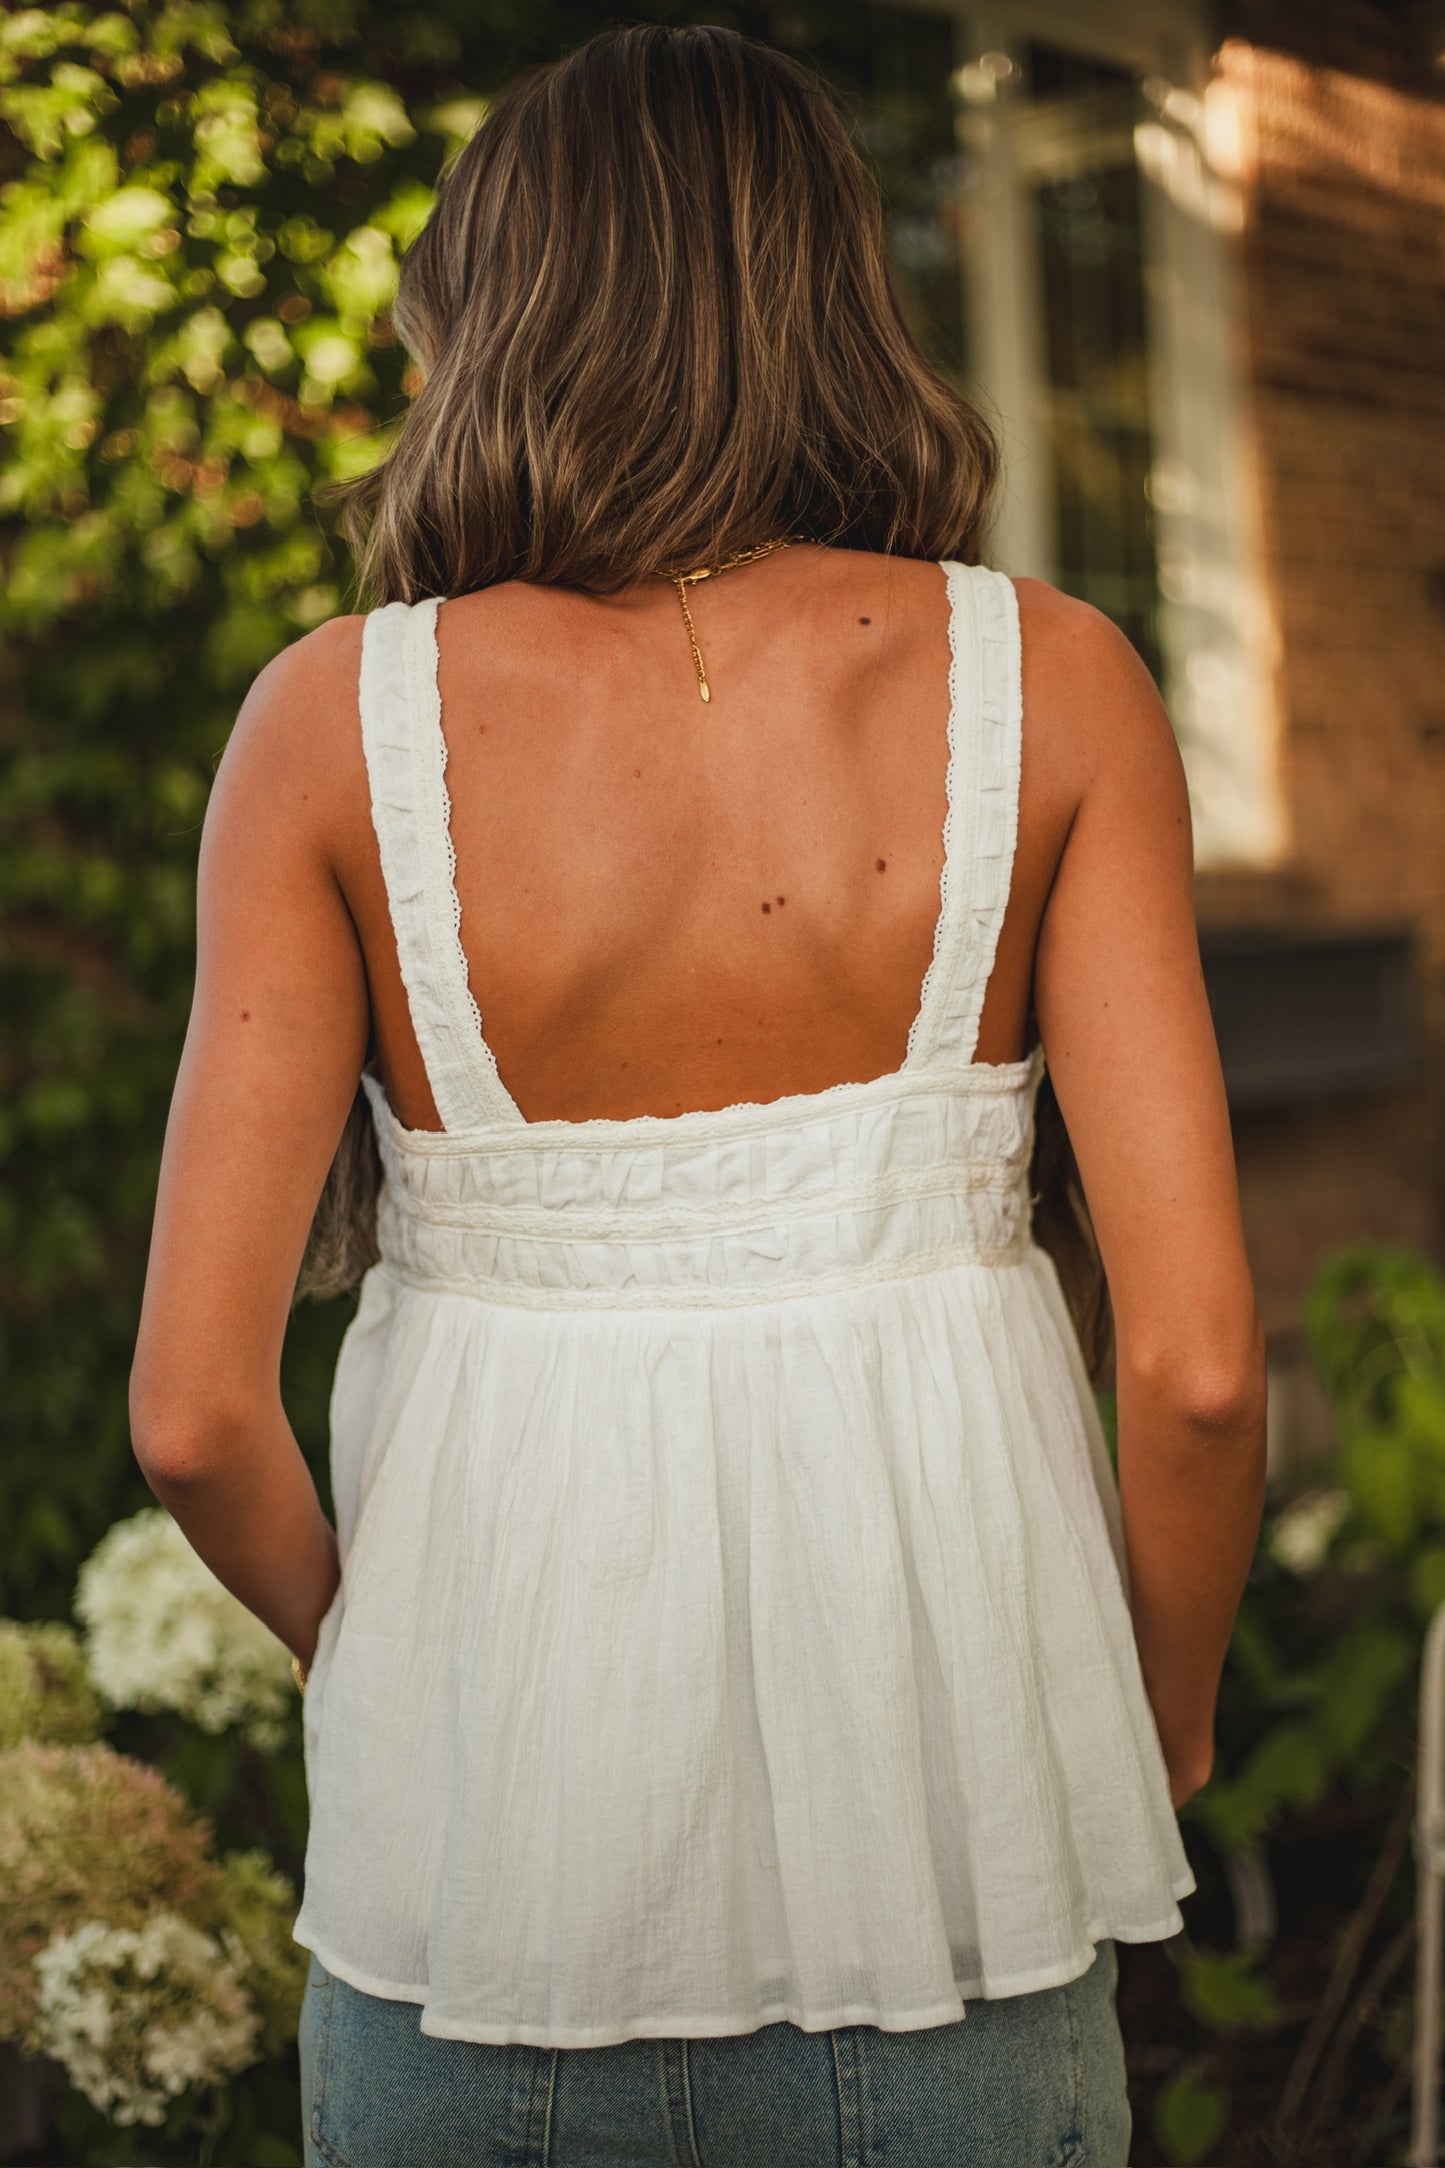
x: 319, y: 658
x: 1063, y: 630
x: 1090, y: 704
x: 307, y: 692
x: 295, y: 745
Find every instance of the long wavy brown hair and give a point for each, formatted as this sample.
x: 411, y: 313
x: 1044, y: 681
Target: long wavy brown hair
x: 655, y: 321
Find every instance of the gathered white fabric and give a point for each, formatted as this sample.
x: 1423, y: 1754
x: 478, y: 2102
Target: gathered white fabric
x: 733, y: 1622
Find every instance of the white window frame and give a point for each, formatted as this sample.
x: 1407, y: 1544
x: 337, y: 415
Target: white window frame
x: 1215, y: 626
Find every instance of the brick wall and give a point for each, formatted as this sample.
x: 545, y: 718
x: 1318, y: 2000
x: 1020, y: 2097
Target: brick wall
x: 1376, y: 41
x: 1343, y: 260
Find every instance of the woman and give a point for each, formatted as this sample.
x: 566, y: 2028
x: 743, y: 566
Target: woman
x: 745, y: 1721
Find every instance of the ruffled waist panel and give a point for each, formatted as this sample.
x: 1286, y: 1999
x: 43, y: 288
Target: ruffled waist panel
x: 871, y: 1182
x: 857, y: 1240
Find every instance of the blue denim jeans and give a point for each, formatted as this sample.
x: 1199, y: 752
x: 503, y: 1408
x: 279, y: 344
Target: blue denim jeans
x: 1024, y: 2081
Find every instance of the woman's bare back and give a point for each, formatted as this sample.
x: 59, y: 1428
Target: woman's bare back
x: 669, y: 905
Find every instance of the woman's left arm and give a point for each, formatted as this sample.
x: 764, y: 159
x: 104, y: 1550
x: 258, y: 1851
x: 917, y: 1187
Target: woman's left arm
x: 277, y: 1037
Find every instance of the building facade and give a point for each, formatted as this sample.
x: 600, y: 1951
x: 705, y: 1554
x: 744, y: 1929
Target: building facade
x: 1192, y: 260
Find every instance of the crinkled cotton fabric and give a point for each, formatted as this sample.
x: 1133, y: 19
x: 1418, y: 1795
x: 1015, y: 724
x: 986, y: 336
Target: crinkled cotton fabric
x: 733, y: 1622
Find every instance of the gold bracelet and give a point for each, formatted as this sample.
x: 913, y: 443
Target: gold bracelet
x: 298, y: 1673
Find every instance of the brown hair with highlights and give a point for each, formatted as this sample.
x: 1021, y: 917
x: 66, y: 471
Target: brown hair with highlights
x: 655, y: 316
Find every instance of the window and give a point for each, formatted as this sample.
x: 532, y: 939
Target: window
x: 1077, y: 166
x: 1065, y: 255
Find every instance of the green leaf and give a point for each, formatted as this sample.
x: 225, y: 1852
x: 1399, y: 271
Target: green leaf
x: 1189, y: 2118
x: 269, y: 2151
x: 1287, y: 1767
x: 360, y: 278
x: 227, y: 133
x: 1373, y: 1313
x: 1379, y: 1467
x: 122, y: 220
x: 1420, y: 1411
x: 1224, y: 1988
x: 405, y: 212
x: 458, y: 120
x: 1357, y: 1684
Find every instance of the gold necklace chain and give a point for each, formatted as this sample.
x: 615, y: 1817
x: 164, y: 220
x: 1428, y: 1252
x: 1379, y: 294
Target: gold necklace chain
x: 683, y: 580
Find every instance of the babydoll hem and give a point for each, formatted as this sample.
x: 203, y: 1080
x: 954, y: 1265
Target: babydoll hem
x: 710, y: 2028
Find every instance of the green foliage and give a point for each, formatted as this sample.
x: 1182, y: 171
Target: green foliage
x: 1319, y: 1699
x: 1375, y: 1321
x: 199, y: 232
x: 1223, y: 1989
x: 200, y: 219
x: 1305, y: 1708
x: 45, y: 1693
x: 1189, y: 2118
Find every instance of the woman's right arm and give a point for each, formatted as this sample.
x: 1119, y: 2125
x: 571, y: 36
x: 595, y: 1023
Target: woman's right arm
x: 1126, y: 1027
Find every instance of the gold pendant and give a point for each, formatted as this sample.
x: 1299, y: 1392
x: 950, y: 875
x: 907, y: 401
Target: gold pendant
x: 681, y: 581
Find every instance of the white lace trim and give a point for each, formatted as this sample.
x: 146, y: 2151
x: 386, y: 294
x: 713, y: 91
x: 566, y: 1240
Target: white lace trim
x: 918, y: 1029
x: 444, y: 809
x: 495, y: 1101
x: 1000, y: 766
x: 390, y: 765
x: 984, y: 768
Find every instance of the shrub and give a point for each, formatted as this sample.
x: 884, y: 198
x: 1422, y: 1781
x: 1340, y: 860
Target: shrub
x: 45, y: 1690
x: 1317, y: 1739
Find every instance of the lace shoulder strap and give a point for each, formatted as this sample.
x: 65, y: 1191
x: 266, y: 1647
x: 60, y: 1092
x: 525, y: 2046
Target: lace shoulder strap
x: 985, y: 742
x: 406, y: 753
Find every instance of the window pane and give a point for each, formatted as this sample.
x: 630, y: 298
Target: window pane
x: 1076, y: 153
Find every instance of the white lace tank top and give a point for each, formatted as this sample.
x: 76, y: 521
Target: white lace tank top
x: 733, y: 1622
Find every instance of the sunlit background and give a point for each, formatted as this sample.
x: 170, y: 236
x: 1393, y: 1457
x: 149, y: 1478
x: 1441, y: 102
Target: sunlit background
x: 1191, y: 259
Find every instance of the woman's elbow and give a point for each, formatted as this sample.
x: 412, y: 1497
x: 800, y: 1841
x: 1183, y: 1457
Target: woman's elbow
x: 179, y: 1435
x: 1229, y: 1401
x: 1213, y: 1386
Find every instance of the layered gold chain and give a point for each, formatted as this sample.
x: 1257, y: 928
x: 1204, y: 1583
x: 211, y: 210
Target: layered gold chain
x: 683, y: 580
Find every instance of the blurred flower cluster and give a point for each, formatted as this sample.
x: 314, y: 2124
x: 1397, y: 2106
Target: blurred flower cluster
x: 1302, y: 1532
x: 137, y: 2016
x: 131, y: 1953
x: 163, y: 1633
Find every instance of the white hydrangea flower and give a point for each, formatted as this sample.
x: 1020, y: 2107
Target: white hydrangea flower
x: 163, y: 1633
x: 1304, y: 1529
x: 139, y: 2016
